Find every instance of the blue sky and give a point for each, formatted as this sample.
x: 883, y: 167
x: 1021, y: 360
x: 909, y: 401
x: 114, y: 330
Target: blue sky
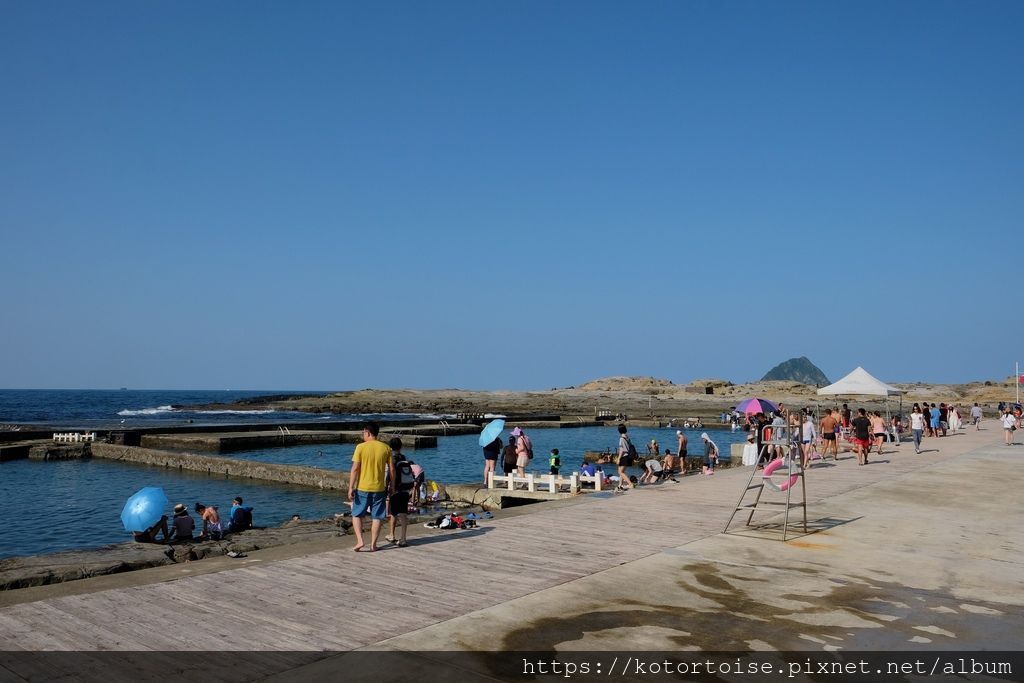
x: 520, y: 195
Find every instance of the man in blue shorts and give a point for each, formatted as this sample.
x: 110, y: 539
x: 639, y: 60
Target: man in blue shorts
x: 370, y: 481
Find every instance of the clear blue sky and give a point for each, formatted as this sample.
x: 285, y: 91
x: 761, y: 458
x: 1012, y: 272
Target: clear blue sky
x: 336, y: 195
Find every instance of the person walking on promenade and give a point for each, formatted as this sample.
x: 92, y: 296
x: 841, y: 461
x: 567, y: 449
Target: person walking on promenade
x: 524, y: 451
x: 808, y: 434
x: 917, y: 424
x: 927, y: 413
x: 626, y: 453
x: 398, y: 503
x: 956, y: 422
x: 944, y: 418
x: 1010, y: 425
x: 861, y: 436
x: 492, y: 452
x: 829, y: 424
x: 936, y: 417
x: 877, y: 430
x: 895, y: 426
x: 846, y: 415
x: 370, y: 480
x: 976, y: 416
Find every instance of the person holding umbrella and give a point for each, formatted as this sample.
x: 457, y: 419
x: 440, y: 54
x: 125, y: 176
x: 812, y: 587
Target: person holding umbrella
x: 490, y: 439
x: 143, y: 515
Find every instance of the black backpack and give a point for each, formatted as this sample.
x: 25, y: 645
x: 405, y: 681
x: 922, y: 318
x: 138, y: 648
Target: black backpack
x: 403, y: 476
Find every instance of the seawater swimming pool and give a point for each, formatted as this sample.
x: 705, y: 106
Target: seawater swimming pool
x: 49, y: 506
x: 459, y: 459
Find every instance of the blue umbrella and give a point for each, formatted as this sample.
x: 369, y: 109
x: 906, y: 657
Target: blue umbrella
x: 144, y: 509
x: 491, y: 431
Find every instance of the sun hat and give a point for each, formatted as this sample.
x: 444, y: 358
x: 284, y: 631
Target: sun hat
x: 180, y: 509
x: 679, y: 432
x: 517, y: 432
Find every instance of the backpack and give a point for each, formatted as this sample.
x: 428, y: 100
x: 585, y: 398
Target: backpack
x: 529, y: 446
x: 631, y: 450
x: 241, y: 519
x: 403, y: 476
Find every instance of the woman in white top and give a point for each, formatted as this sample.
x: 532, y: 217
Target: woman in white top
x: 954, y: 419
x: 1010, y: 423
x: 917, y: 426
x: 809, y: 434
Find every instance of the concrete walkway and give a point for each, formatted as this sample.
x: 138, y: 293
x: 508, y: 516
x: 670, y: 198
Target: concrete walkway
x: 910, y: 551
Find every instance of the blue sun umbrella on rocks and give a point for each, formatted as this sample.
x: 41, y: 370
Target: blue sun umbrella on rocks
x: 144, y: 509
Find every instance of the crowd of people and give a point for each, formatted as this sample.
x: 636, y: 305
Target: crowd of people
x: 384, y: 484
x: 181, y: 527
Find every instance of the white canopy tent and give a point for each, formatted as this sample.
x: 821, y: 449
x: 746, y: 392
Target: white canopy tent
x: 859, y: 383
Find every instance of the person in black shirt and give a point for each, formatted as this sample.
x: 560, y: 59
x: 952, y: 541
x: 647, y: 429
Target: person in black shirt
x: 763, y: 454
x: 861, y: 436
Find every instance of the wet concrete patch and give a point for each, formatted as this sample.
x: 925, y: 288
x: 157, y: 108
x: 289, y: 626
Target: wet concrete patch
x: 710, y: 609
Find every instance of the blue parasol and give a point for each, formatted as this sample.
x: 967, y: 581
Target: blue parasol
x: 144, y: 508
x: 491, y: 431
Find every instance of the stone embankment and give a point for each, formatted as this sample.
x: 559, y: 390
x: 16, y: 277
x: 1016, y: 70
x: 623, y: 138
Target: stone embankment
x: 39, y: 570
x: 227, y: 467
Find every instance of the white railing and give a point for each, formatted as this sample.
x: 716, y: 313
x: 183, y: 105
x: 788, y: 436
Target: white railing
x: 552, y: 483
x: 73, y: 437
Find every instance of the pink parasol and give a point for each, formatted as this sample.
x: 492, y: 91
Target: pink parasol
x: 756, y: 405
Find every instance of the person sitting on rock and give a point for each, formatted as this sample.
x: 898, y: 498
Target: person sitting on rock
x: 241, y: 516
x: 183, y: 524
x: 149, y: 535
x: 211, y: 522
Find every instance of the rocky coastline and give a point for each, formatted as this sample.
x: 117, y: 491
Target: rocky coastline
x: 637, y: 397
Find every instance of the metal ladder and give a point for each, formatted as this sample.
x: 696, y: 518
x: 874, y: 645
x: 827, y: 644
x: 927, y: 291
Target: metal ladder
x: 789, y: 441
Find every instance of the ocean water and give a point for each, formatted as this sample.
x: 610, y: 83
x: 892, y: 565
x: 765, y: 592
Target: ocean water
x: 130, y: 408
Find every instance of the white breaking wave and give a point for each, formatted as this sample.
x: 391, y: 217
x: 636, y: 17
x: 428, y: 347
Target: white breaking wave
x: 146, y: 411
x: 171, y: 409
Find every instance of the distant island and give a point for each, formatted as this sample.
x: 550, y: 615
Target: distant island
x: 797, y: 370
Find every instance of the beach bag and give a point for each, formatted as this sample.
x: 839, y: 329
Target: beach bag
x: 631, y: 450
x: 529, y: 446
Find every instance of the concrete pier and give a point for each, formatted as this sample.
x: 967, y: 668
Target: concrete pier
x: 911, y: 552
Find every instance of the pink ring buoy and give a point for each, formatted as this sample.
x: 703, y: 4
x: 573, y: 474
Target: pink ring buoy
x: 770, y: 468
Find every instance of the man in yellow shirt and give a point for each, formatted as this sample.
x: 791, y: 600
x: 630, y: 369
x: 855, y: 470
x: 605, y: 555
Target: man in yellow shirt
x: 370, y: 482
